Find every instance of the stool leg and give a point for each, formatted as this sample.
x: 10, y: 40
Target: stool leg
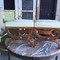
x: 56, y: 58
x: 28, y: 59
x: 8, y: 55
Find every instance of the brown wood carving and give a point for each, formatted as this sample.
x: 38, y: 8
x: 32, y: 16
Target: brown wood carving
x: 47, y: 35
x: 40, y: 34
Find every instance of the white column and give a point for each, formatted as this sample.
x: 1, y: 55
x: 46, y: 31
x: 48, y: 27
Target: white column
x: 34, y: 9
x: 16, y: 8
x: 58, y: 10
x: 20, y: 9
x: 38, y: 9
x: 2, y: 9
x: 1, y: 16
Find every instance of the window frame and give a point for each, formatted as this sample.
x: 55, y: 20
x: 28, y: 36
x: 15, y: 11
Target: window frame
x: 18, y: 9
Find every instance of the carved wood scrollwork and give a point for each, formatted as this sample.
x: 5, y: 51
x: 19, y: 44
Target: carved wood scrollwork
x: 38, y: 34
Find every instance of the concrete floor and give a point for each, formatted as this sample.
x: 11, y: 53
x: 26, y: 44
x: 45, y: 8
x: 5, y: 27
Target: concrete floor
x: 4, y: 56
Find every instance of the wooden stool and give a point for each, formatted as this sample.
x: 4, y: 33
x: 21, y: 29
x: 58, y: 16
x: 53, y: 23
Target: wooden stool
x: 38, y: 30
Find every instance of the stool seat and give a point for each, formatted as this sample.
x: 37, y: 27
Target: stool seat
x: 31, y: 23
x: 47, y: 24
x: 20, y: 23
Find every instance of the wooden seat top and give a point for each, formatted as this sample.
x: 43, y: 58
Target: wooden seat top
x: 19, y: 23
x: 33, y: 23
x: 47, y: 24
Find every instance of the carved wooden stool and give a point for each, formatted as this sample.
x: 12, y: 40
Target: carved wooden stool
x: 20, y: 30
x: 34, y: 31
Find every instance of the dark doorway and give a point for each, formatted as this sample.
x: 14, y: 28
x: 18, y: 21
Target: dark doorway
x: 48, y: 9
x: 9, y: 4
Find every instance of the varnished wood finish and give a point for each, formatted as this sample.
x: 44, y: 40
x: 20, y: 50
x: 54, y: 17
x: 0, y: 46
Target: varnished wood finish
x: 47, y: 35
x: 26, y: 34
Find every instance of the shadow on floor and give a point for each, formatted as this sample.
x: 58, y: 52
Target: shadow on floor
x: 4, y: 56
